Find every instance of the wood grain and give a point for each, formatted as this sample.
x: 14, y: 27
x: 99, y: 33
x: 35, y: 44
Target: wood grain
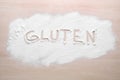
x: 104, y: 68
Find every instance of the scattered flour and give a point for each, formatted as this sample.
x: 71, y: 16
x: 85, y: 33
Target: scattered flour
x: 30, y: 41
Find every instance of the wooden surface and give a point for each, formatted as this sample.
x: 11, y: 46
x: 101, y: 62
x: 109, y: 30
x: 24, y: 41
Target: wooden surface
x: 104, y: 68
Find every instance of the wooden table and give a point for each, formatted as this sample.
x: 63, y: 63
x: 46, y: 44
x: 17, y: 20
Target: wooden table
x: 106, y: 67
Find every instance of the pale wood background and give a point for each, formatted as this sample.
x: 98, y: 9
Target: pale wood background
x: 104, y: 68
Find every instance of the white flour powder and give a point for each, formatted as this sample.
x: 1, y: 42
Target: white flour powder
x: 57, y: 39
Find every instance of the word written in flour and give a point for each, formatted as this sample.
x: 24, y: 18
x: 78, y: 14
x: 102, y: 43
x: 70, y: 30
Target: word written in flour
x: 63, y: 35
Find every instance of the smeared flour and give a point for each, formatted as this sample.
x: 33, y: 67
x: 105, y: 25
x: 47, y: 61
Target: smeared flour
x: 73, y: 36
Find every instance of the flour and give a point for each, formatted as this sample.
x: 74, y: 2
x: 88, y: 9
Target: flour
x: 57, y: 39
